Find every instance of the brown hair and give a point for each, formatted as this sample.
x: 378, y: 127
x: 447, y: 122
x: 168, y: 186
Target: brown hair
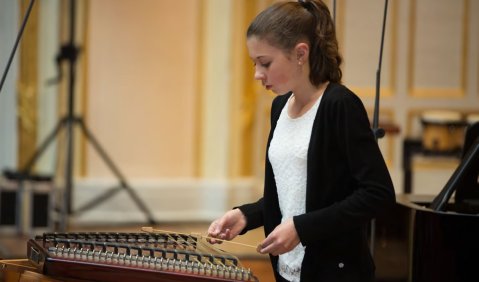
x: 285, y: 24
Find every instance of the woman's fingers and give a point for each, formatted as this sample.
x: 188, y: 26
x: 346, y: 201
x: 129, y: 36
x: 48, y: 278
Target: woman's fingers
x: 227, y: 227
x: 282, y: 240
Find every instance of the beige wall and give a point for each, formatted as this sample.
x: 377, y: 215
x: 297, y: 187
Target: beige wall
x: 142, y: 86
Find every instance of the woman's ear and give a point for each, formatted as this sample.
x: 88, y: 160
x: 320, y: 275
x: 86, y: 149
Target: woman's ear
x: 302, y: 52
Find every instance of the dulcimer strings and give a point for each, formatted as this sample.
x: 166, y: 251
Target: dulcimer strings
x: 153, y: 230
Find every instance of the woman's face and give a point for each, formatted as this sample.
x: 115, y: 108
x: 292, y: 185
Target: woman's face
x: 277, y: 70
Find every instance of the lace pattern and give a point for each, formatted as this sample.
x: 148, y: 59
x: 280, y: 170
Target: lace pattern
x: 289, y: 264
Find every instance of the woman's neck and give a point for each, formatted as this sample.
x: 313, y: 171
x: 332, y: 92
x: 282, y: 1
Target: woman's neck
x: 304, y: 99
x: 309, y: 94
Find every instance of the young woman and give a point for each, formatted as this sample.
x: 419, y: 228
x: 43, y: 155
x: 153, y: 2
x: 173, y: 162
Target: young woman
x: 325, y: 177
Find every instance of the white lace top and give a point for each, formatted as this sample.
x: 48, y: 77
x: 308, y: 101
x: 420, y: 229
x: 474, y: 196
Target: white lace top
x: 288, y: 156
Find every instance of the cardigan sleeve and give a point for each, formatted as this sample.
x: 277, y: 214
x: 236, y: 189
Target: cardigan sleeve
x: 363, y: 182
x: 254, y: 215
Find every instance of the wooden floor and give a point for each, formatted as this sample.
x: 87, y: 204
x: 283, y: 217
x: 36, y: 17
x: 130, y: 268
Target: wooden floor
x: 13, y: 246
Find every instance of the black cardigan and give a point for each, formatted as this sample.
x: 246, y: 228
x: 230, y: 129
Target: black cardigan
x: 347, y: 185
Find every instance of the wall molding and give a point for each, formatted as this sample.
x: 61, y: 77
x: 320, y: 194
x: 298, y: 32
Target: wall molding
x: 447, y: 92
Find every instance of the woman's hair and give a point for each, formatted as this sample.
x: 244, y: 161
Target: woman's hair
x: 285, y: 24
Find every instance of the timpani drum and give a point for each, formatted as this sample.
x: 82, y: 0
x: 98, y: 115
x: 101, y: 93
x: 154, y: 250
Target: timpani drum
x: 472, y: 118
x: 443, y: 131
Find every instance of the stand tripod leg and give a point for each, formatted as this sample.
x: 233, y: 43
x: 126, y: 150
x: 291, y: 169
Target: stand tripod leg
x: 123, y: 182
x: 28, y: 166
x: 103, y: 197
x: 66, y: 207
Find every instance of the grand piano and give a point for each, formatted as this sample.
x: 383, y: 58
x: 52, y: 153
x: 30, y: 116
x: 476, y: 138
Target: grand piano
x: 434, y: 238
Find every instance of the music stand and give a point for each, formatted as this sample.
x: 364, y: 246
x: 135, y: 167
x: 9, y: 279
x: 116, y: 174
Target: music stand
x: 70, y: 53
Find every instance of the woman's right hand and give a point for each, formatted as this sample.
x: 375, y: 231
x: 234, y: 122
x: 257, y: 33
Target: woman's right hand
x: 227, y: 227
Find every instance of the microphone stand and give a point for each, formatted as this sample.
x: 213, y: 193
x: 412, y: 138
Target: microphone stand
x: 377, y: 131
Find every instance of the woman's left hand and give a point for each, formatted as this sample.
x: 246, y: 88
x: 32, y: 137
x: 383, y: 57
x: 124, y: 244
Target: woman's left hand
x: 283, y: 239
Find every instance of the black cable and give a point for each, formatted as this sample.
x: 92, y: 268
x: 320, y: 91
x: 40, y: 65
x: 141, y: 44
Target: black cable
x: 17, y: 41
